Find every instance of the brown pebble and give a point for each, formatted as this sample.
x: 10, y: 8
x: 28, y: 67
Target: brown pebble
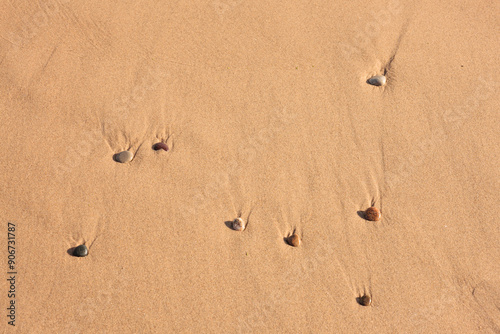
x: 365, y: 300
x: 294, y: 240
x: 372, y: 214
x: 160, y: 146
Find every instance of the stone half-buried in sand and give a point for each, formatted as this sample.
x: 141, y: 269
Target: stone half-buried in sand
x: 373, y: 214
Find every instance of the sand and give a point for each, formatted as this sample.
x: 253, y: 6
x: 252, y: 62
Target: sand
x: 268, y: 116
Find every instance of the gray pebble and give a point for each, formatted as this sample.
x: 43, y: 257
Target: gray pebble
x: 123, y: 157
x: 80, y: 251
x: 378, y: 80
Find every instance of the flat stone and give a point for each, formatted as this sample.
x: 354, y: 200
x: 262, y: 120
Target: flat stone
x: 294, y: 240
x: 160, y: 146
x: 373, y: 214
x: 123, y: 157
x: 378, y: 80
x: 80, y: 251
x: 238, y: 224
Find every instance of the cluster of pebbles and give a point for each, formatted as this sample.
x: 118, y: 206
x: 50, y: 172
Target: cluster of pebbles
x: 127, y: 156
x: 371, y: 214
x: 121, y: 157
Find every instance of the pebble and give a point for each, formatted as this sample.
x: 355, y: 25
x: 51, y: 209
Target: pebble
x: 160, y: 146
x: 378, y: 80
x: 123, y: 157
x: 373, y: 214
x: 365, y: 300
x: 238, y: 224
x: 294, y: 240
x: 80, y: 251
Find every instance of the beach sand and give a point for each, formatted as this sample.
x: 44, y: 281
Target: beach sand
x: 268, y: 116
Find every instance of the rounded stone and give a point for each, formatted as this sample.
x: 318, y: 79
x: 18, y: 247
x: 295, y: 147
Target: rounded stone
x: 294, y: 240
x: 373, y: 214
x: 123, y: 157
x: 160, y: 146
x: 80, y: 251
x: 238, y: 224
x: 365, y: 300
x: 378, y: 80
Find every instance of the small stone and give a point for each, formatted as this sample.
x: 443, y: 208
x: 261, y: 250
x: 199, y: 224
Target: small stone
x: 294, y: 240
x: 80, y: 251
x: 378, y: 80
x: 238, y: 224
x: 373, y: 214
x: 123, y: 157
x: 160, y: 146
x: 365, y: 300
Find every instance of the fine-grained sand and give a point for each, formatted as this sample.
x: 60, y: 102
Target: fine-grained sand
x: 267, y: 115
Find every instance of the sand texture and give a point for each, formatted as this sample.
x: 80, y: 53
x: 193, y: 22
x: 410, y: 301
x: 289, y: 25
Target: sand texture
x: 266, y: 114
